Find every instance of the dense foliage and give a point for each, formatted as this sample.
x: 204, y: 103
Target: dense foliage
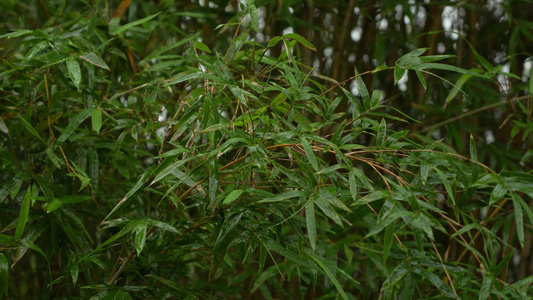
x: 153, y: 149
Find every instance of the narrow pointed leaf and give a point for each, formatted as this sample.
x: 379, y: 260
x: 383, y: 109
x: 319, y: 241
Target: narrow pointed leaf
x: 74, y: 71
x: 73, y: 125
x: 23, y: 216
x: 311, y: 223
x: 94, y: 59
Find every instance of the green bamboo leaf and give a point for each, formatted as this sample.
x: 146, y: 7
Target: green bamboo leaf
x: 74, y: 71
x: 274, y: 41
x: 114, y: 29
x: 388, y: 239
x: 162, y: 225
x: 213, y: 183
x: 531, y: 83
x: 30, y: 128
x: 262, y: 256
x: 14, y: 34
x: 309, y: 153
x: 56, y: 160
x: 456, y: 88
x: 381, y: 133
x: 376, y: 97
x: 131, y: 192
x: 327, y: 209
x: 7, y: 239
x: 517, y: 200
x: 382, y: 224
x: 96, y: 118
x: 234, y: 195
x: 447, y: 186
x: 437, y: 282
x: 362, y: 89
x: 438, y: 66
x: 264, y: 276
x: 311, y: 223
x: 498, y: 193
x: 36, y: 50
x: 421, y: 79
x: 3, y: 126
x: 10, y: 187
x: 73, y: 125
x: 170, y: 283
x: 396, y: 275
x: 398, y: 73
x: 4, y: 274
x: 226, y: 235
x: 473, y: 154
x: 431, y: 58
x: 55, y: 204
x: 284, y: 196
x: 486, y: 285
x: 130, y: 226
x: 381, y: 68
x: 74, y: 271
x: 331, y: 277
x: 353, y: 184
x: 94, y: 169
x: 299, y: 39
x: 96, y: 60
x: 140, y: 237
x: 122, y: 295
x: 201, y: 46
x: 23, y: 216
x: 423, y: 223
x: 465, y: 229
x: 290, y: 255
x: 254, y: 17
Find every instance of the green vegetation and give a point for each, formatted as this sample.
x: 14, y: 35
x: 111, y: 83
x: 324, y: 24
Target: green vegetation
x: 161, y: 150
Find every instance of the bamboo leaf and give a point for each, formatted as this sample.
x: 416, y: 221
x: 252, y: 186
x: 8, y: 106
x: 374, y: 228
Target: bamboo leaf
x: 4, y: 274
x: 73, y: 125
x: 362, y: 89
x: 30, y: 128
x: 131, y: 192
x: 74, y: 71
x: 140, y: 237
x: 226, y: 235
x: 201, y: 46
x: 114, y: 29
x: 290, y: 255
x: 299, y: 39
x: 234, y: 195
x: 331, y: 277
x: 96, y: 118
x: 23, y: 216
x: 96, y: 60
x: 309, y: 153
x: 311, y: 223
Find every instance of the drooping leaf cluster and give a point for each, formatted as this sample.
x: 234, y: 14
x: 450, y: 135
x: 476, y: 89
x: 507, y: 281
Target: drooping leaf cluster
x: 146, y: 154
